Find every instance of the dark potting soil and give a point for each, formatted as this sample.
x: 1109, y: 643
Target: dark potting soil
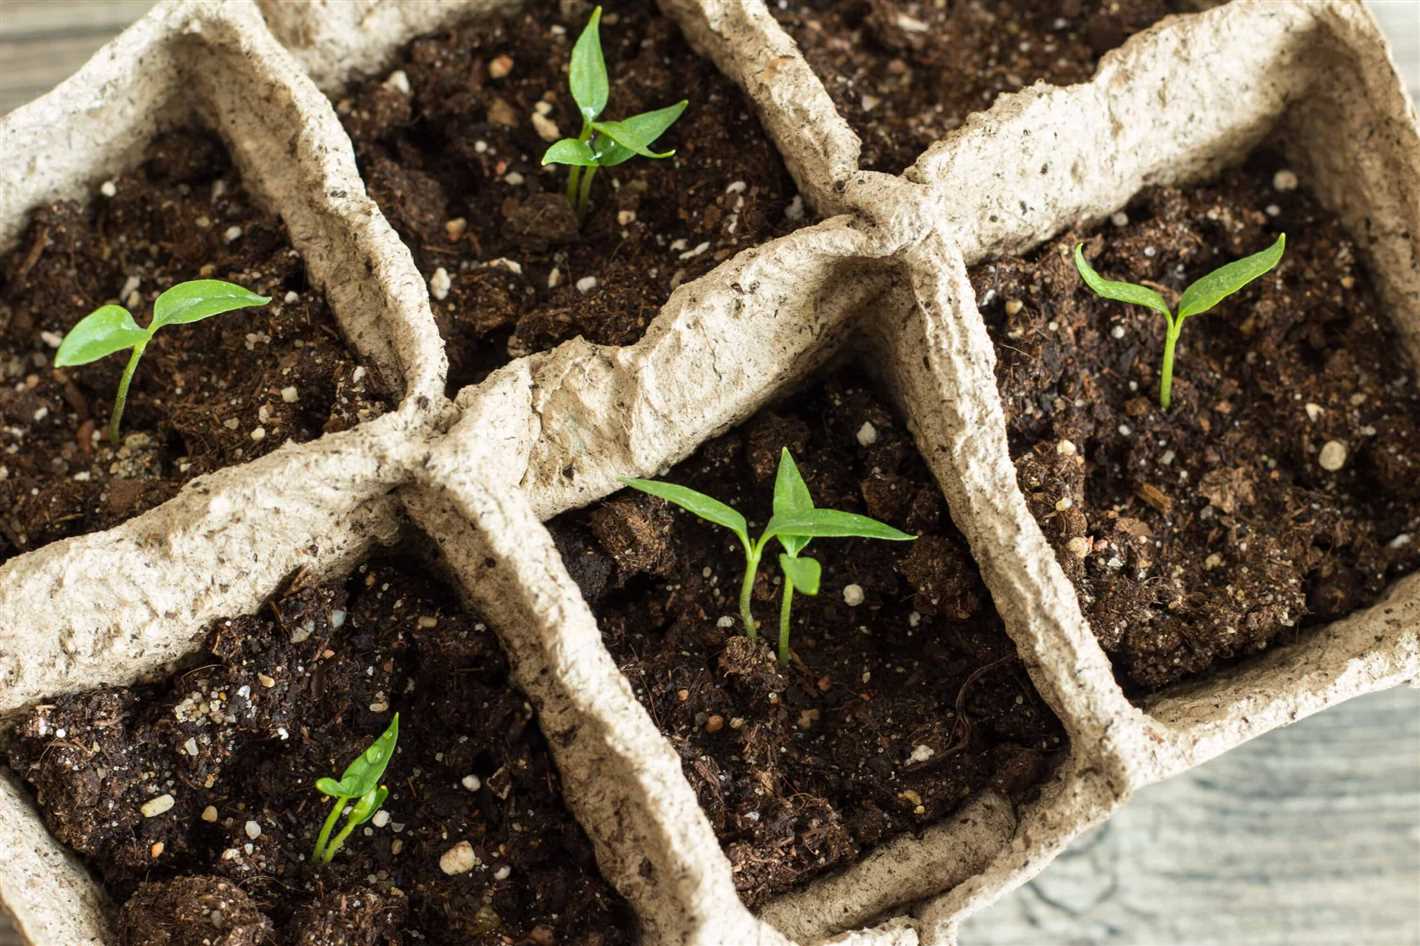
x: 1282, y: 489
x: 206, y: 395
x: 906, y: 72
x: 232, y: 748
x: 451, y: 140
x: 905, y: 697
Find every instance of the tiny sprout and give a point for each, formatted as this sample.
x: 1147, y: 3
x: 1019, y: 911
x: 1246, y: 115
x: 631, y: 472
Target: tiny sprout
x: 794, y: 523
x: 602, y: 144
x: 110, y: 328
x: 360, y: 784
x: 1199, y: 297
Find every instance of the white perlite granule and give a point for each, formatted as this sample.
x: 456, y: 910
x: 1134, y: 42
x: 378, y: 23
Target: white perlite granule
x: 1333, y: 456
x: 459, y: 859
x: 157, y: 806
x: 853, y: 595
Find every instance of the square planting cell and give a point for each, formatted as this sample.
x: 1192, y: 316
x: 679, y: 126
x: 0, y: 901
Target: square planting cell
x: 912, y: 769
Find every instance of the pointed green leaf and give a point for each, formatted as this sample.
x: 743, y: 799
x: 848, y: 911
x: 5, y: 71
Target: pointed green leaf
x: 102, y: 332
x: 329, y: 786
x: 706, y: 507
x: 362, y: 775
x: 1119, y: 291
x: 803, y: 572
x: 570, y: 151
x: 791, y: 495
x: 634, y: 135
x: 1228, y: 279
x: 587, y: 72
x: 200, y: 299
x: 368, y: 804
x: 832, y: 524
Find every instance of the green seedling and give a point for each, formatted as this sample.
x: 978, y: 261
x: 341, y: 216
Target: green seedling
x: 360, y: 784
x: 602, y: 144
x: 794, y: 523
x: 110, y: 329
x: 1196, y: 299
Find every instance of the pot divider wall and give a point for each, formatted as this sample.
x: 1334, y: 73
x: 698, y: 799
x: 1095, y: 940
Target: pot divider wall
x: 557, y: 430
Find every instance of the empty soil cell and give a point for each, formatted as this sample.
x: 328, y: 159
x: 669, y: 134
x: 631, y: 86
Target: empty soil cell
x: 906, y: 72
x: 904, y: 698
x: 231, y: 747
x: 1281, y: 491
x: 450, y: 141
x: 206, y: 395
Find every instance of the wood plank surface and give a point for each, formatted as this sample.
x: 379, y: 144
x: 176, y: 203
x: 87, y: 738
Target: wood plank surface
x: 1307, y: 837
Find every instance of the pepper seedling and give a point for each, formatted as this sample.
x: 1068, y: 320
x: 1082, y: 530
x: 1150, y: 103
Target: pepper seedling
x: 794, y: 523
x: 1198, y: 298
x: 360, y: 784
x: 602, y: 144
x: 110, y: 329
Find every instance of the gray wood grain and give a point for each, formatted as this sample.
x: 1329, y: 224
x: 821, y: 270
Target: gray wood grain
x: 1307, y: 837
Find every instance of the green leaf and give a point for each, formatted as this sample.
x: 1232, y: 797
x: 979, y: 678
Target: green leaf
x: 1119, y: 291
x: 587, y: 72
x: 102, y: 332
x: 791, y: 495
x: 803, y: 572
x: 200, y: 299
x: 634, y: 135
x: 570, y: 151
x: 329, y: 786
x: 368, y: 804
x: 832, y: 524
x: 706, y: 507
x: 1228, y: 279
x: 364, y: 774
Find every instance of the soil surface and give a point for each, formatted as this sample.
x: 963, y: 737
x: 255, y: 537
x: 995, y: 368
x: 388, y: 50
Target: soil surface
x: 206, y: 395
x: 1281, y: 490
x: 905, y: 697
x: 906, y: 72
x: 231, y: 750
x: 450, y: 142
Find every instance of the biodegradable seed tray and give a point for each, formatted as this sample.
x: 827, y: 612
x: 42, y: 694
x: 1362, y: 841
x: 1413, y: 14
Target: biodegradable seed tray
x: 883, y: 277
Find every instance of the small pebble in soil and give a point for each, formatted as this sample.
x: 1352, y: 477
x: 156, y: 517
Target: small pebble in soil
x: 503, y: 872
x: 471, y: 782
x: 459, y: 859
x: 454, y: 229
x: 586, y: 284
x: 1014, y: 306
x: 1065, y: 448
x: 1079, y: 546
x: 398, y: 81
x: 867, y: 434
x: 715, y: 723
x: 922, y: 753
x: 1314, y: 411
x: 381, y: 819
x: 440, y: 283
x: 725, y: 622
x: 252, y: 829
x: 1119, y: 218
x: 108, y: 189
x: 232, y: 233
x: 852, y: 595
x: 190, y: 747
x: 1284, y: 180
x: 1333, y: 456
x: 545, y: 127
x: 157, y: 806
x: 500, y: 66
x: 209, y: 814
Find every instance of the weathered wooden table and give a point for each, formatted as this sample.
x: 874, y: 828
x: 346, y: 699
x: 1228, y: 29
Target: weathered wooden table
x: 1307, y: 837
